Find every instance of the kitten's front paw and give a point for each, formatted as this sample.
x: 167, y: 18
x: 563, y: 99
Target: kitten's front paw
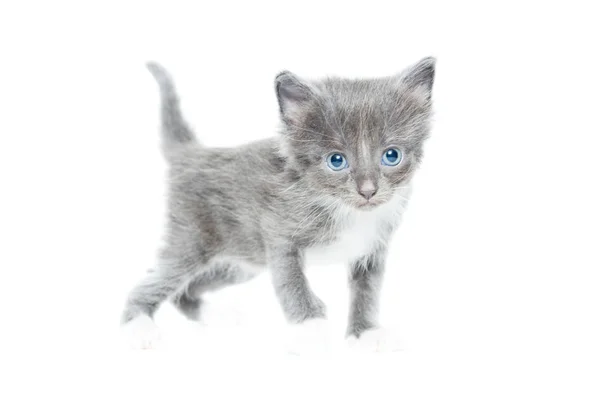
x: 311, y: 337
x: 376, y: 340
x: 141, y: 333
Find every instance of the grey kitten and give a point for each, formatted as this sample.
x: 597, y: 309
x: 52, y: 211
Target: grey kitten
x: 330, y: 187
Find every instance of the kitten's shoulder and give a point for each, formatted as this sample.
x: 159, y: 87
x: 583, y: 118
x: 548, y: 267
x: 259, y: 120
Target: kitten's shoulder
x: 266, y: 152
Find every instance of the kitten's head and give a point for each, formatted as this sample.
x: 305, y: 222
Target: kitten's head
x: 357, y: 140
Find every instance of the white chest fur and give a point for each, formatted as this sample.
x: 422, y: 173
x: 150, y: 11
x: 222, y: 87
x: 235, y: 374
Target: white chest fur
x: 360, y: 232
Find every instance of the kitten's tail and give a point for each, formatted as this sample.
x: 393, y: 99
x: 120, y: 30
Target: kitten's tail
x: 175, y: 130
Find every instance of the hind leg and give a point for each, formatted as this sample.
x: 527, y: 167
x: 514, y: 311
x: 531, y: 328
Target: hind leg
x: 219, y: 275
x: 155, y: 288
x: 145, y: 298
x: 188, y: 305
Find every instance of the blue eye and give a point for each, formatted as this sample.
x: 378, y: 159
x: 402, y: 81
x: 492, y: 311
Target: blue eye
x: 336, y: 162
x: 391, y: 157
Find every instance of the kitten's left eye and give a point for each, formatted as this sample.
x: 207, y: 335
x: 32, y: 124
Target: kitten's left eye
x: 391, y: 157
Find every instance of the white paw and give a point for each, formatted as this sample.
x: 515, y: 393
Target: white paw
x: 311, y: 337
x: 141, y: 333
x: 376, y: 340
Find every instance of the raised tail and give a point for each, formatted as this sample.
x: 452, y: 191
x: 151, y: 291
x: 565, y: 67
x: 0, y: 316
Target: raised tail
x: 175, y: 130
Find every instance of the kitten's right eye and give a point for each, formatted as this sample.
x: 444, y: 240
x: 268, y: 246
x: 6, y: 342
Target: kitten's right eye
x: 336, y: 161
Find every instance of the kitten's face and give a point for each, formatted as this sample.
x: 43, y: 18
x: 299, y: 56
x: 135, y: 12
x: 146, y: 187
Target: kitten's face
x: 357, y: 140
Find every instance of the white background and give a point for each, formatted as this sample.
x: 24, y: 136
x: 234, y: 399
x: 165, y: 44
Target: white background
x: 493, y: 280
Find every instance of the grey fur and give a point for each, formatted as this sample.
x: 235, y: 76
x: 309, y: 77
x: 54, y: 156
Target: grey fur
x: 271, y: 202
x: 365, y: 278
x: 188, y: 301
x: 175, y: 130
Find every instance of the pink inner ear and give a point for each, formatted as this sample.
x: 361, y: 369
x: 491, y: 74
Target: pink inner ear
x: 291, y: 92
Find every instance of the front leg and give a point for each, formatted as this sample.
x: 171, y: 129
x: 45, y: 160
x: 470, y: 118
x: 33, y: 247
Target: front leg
x: 364, y: 333
x: 297, y: 300
x: 365, y: 279
x: 307, y: 333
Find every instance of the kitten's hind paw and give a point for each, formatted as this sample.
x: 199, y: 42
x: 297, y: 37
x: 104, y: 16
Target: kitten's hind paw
x: 376, y: 340
x: 141, y: 333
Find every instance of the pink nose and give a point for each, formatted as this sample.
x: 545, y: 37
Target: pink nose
x: 367, y: 190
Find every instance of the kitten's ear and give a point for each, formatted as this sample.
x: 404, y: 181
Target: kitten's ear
x: 292, y: 94
x: 420, y: 76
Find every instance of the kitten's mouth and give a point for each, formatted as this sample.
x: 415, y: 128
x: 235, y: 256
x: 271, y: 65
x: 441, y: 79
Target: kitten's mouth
x: 368, y: 205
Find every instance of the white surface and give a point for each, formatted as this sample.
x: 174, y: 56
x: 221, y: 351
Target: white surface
x: 141, y: 333
x: 493, y: 279
x: 378, y: 340
x: 309, y: 338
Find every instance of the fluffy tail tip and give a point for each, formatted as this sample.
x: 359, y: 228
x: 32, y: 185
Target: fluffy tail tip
x: 159, y: 72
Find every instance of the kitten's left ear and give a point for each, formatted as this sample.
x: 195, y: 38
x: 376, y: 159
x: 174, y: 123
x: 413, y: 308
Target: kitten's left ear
x: 420, y: 76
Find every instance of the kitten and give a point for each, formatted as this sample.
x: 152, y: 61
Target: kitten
x: 331, y: 187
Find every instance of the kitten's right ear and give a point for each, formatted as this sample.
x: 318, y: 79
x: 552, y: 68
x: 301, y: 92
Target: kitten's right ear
x: 292, y: 94
x: 420, y: 76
